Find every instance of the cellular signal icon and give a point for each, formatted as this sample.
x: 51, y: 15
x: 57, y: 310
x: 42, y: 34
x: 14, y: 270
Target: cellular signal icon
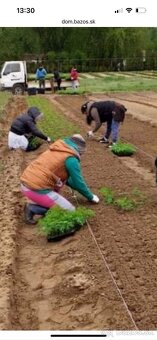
x: 119, y: 10
x: 128, y: 9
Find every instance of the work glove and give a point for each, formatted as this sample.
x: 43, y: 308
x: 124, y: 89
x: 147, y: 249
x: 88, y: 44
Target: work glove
x: 48, y: 139
x: 95, y: 199
x: 90, y: 134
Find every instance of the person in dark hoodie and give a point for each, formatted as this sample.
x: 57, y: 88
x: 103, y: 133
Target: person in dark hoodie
x: 23, y: 128
x: 43, y: 178
x: 100, y: 112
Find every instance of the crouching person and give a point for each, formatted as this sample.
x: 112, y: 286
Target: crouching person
x: 43, y: 179
x: 23, y: 129
x: 101, y: 112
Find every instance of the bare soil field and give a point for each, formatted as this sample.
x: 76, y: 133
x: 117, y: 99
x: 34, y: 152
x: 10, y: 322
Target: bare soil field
x: 105, y: 276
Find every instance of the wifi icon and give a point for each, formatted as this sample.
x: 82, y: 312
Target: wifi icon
x: 128, y: 9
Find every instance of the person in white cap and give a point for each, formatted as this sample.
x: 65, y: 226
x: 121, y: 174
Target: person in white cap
x: 43, y: 179
x: 100, y: 112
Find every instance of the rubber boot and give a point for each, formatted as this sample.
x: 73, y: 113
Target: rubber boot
x: 33, y: 209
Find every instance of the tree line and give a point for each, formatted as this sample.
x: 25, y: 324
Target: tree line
x: 89, y: 48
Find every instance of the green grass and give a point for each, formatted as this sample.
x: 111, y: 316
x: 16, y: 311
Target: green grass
x: 115, y: 83
x: 53, y: 124
x: 58, y: 221
x: 136, y: 82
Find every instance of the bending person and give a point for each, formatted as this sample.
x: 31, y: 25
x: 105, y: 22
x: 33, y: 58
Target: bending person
x: 109, y: 112
x: 23, y: 128
x: 43, y: 179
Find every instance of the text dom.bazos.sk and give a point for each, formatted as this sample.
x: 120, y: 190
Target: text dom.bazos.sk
x: 78, y: 22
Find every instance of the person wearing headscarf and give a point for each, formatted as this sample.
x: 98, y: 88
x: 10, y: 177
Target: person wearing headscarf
x: 42, y: 180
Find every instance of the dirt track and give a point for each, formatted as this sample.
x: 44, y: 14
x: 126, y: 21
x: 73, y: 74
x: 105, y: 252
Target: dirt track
x: 67, y: 286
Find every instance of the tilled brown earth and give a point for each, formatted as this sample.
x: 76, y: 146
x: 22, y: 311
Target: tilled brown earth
x: 78, y: 284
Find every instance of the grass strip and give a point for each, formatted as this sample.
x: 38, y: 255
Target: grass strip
x: 54, y: 124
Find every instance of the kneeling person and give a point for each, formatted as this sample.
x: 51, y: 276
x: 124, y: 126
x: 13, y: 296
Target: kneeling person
x: 23, y: 128
x: 43, y: 179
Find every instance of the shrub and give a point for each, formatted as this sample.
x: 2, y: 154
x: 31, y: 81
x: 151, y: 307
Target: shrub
x: 58, y: 221
x: 123, y: 149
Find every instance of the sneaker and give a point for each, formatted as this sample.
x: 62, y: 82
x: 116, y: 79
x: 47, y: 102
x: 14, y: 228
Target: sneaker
x: 112, y: 144
x: 104, y: 140
x: 28, y: 215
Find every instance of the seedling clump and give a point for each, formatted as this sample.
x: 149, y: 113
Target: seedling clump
x: 58, y: 221
x: 108, y: 195
x: 122, y: 201
x: 125, y: 203
x: 34, y: 142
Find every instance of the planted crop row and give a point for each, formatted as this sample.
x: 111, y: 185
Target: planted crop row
x: 122, y: 201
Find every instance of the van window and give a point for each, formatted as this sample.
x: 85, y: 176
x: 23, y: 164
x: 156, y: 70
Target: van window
x: 12, y: 68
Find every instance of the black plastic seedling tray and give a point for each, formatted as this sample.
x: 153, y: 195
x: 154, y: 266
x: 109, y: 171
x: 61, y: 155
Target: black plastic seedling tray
x: 127, y: 154
x: 55, y: 238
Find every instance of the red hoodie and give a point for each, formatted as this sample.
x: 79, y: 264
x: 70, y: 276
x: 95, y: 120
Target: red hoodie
x: 74, y: 74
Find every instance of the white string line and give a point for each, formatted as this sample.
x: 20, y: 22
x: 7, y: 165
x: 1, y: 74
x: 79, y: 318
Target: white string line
x: 107, y: 266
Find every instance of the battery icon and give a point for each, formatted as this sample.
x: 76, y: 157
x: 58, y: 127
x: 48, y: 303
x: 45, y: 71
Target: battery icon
x: 141, y: 10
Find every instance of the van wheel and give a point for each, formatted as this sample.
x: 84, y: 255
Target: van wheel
x: 18, y: 89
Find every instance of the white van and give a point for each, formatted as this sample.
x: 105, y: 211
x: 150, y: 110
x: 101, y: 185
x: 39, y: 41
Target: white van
x: 13, y: 76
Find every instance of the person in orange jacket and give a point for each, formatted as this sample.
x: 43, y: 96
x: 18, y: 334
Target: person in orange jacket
x: 43, y: 179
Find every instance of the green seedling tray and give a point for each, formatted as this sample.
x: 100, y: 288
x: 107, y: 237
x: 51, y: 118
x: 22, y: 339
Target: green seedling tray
x: 123, y: 149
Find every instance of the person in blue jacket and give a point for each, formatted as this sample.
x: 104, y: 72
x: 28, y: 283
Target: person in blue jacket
x: 40, y: 75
